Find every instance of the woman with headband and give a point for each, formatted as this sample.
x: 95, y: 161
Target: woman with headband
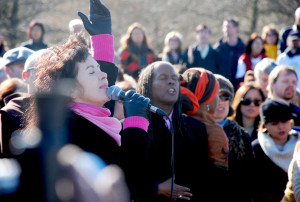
x: 200, y: 91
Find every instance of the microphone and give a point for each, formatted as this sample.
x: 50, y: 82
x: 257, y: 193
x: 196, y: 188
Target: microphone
x: 116, y: 93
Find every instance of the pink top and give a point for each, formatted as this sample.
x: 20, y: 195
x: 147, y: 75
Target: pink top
x: 103, y: 47
x: 137, y: 122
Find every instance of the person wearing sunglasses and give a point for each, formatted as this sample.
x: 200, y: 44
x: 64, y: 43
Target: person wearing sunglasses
x: 273, y: 150
x: 240, y: 156
x: 246, y: 105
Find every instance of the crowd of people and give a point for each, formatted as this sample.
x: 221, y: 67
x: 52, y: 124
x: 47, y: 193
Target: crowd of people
x: 75, y: 123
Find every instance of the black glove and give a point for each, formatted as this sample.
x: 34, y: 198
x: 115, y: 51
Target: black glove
x: 100, y: 20
x: 136, y: 104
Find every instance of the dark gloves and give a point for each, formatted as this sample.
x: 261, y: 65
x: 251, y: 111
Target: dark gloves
x: 100, y: 20
x: 136, y: 104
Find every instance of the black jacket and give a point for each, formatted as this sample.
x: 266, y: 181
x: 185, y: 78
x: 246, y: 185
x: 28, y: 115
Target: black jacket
x: 269, y: 180
x: 11, y: 118
x: 229, y: 56
x: 191, y: 163
x: 240, y: 160
x: 211, y: 62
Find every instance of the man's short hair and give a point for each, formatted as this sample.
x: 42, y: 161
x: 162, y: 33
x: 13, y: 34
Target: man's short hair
x: 202, y: 27
x: 275, y: 74
x: 233, y: 20
x: 32, y: 60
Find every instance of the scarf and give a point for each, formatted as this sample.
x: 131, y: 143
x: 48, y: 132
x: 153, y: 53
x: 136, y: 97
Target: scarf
x: 217, y: 140
x: 281, y: 158
x: 100, y: 117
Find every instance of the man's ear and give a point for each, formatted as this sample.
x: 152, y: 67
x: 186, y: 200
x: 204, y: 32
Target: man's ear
x: 7, y: 71
x: 25, y: 75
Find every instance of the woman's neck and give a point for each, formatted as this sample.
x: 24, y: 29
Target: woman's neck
x: 248, y: 124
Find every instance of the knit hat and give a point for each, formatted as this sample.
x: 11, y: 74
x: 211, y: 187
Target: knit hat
x: 273, y: 110
x: 225, y: 86
x: 200, y: 87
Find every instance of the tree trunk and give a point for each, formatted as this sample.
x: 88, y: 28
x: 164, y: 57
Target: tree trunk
x: 254, y: 16
x: 11, y: 24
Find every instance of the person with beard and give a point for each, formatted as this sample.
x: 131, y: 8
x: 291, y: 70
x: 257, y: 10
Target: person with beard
x: 291, y: 55
x: 160, y: 82
x: 283, y: 85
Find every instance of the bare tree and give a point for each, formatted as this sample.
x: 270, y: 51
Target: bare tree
x: 157, y: 16
x: 15, y: 16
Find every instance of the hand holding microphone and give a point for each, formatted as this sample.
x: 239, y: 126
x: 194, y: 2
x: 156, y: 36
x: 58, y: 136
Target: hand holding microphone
x: 134, y: 100
x: 135, y: 104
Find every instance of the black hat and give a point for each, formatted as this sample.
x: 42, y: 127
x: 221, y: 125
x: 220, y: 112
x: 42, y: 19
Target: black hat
x: 273, y: 110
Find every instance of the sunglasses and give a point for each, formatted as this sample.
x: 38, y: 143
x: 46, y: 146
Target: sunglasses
x: 247, y: 102
x: 224, y: 97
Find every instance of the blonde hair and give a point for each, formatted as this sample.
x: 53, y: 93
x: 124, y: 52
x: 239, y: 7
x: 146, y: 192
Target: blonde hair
x: 169, y: 36
x: 269, y: 28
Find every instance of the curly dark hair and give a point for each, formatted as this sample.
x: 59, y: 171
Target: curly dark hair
x: 54, y: 69
x: 253, y: 37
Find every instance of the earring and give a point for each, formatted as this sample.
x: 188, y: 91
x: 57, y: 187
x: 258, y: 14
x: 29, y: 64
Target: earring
x: 207, y: 107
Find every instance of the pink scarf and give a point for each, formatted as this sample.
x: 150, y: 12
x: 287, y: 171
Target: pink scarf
x: 100, y: 117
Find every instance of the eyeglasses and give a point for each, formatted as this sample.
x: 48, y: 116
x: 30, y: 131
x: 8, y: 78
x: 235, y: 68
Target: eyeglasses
x: 224, y: 97
x: 247, y: 102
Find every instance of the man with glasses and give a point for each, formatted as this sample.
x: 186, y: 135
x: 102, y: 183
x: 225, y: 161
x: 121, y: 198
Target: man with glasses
x: 283, y: 85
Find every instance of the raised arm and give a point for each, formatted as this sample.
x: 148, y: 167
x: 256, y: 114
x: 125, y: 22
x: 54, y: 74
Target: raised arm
x: 99, y: 27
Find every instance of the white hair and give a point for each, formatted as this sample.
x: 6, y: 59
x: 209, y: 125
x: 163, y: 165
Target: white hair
x: 75, y: 23
x: 297, y: 12
x: 265, y: 65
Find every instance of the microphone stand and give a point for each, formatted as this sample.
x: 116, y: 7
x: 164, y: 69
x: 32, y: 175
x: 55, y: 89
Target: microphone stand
x: 172, y: 157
